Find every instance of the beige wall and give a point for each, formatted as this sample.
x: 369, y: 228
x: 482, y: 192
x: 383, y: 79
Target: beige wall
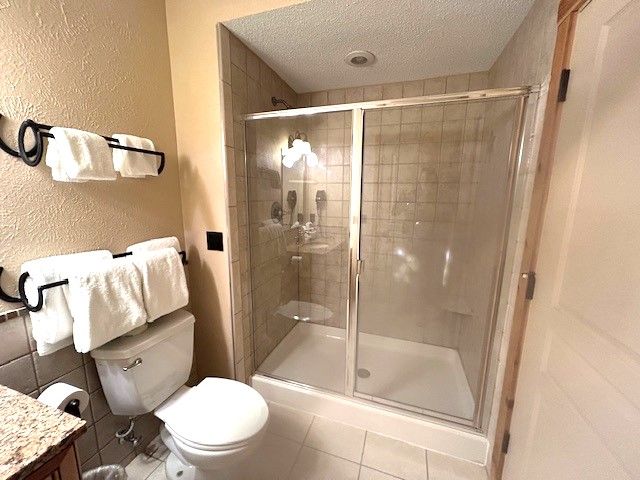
x: 193, y: 44
x: 99, y: 66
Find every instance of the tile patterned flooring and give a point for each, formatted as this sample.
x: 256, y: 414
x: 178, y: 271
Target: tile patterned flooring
x: 301, y: 446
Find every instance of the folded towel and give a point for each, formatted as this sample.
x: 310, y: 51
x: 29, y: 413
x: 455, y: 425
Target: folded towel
x: 83, y: 155
x: 164, y: 286
x: 105, y: 302
x: 134, y: 164
x: 52, y: 160
x: 274, y: 232
x: 52, y: 326
x: 155, y: 244
x: 44, y: 348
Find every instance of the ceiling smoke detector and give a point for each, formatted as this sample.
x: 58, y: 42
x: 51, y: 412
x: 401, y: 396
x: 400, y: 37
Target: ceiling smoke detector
x: 360, y: 58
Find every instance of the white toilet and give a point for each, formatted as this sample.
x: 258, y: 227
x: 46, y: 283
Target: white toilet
x: 208, y: 428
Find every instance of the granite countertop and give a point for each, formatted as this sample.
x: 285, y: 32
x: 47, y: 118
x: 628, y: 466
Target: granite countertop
x: 31, y: 433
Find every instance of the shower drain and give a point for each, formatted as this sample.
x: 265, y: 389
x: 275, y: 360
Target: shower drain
x: 364, y: 373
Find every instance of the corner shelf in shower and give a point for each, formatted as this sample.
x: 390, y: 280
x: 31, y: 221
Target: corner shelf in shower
x: 319, y: 246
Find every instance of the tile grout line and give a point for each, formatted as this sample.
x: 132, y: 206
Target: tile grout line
x: 331, y: 454
x: 302, y: 445
x: 426, y: 461
x: 162, y: 465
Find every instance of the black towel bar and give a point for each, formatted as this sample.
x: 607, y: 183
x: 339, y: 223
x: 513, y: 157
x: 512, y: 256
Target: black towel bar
x: 5, y: 296
x: 33, y: 156
x: 41, y: 288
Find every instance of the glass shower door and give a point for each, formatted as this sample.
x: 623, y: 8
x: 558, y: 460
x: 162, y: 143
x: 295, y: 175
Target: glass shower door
x: 436, y: 196
x: 300, y: 167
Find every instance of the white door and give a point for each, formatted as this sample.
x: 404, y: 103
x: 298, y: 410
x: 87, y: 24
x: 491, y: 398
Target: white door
x: 577, y: 406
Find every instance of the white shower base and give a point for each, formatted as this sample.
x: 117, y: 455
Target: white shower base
x: 405, y: 371
x: 423, y: 378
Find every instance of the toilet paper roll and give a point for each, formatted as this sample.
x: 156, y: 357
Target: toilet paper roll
x: 60, y: 394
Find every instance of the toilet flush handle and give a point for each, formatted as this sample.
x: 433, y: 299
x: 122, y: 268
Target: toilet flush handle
x: 135, y: 363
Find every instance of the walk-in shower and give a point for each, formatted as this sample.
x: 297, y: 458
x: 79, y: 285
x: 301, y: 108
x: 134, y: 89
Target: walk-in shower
x: 380, y: 281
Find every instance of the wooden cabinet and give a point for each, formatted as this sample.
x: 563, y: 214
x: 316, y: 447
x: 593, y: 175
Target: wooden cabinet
x: 64, y: 466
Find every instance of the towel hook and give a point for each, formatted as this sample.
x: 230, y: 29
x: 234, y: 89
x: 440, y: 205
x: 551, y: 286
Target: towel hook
x: 14, y: 153
x: 5, y: 296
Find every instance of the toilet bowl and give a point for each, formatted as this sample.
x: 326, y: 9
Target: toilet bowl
x: 211, y: 427
x: 208, y: 428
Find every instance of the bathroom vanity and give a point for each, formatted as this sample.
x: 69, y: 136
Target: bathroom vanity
x: 36, y: 441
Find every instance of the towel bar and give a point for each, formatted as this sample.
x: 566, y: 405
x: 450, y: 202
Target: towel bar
x: 5, y: 296
x: 41, y: 288
x: 33, y: 156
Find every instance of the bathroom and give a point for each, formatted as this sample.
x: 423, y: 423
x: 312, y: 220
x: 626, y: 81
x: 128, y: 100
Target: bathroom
x: 371, y: 205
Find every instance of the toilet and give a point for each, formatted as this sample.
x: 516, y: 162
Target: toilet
x: 207, y: 428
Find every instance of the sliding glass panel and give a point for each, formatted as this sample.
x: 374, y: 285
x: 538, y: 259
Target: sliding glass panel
x: 300, y: 167
x: 435, y: 199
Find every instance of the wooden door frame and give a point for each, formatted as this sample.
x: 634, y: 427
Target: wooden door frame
x: 567, y: 13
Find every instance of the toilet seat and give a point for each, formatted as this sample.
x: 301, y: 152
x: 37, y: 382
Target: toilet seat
x: 217, y: 414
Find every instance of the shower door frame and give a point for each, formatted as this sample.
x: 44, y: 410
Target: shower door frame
x: 355, y: 266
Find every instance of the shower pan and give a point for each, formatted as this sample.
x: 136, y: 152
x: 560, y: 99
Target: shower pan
x: 384, y: 290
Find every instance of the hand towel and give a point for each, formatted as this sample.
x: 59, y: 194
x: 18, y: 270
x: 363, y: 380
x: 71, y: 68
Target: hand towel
x: 272, y: 231
x: 52, y: 160
x: 155, y: 244
x: 105, y: 302
x: 83, y: 155
x: 164, y: 286
x: 52, y: 326
x: 135, y: 164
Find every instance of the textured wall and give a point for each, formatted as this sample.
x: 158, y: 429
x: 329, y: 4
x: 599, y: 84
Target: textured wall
x: 196, y: 77
x: 97, y: 66
x: 100, y: 66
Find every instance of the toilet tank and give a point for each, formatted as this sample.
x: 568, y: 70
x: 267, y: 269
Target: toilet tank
x: 140, y: 372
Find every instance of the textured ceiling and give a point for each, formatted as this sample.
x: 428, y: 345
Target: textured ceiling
x: 412, y: 39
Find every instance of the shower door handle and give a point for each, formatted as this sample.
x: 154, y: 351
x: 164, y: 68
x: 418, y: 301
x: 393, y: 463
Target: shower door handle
x: 359, y: 266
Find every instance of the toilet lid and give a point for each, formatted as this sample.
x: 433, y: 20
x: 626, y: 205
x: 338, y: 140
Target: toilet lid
x: 217, y: 412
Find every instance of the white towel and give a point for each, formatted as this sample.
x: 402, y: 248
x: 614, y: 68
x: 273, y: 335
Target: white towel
x: 164, y: 286
x: 52, y: 160
x: 272, y: 231
x: 155, y: 244
x: 105, y: 302
x: 135, y: 164
x: 83, y: 155
x: 52, y: 326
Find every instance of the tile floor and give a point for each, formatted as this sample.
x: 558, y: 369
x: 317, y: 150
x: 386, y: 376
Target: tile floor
x: 301, y: 446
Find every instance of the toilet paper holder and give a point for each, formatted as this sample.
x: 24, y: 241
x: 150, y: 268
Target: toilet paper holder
x: 73, y: 408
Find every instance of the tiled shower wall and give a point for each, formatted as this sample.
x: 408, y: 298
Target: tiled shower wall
x: 274, y: 277
x: 247, y: 85
x: 418, y: 186
x: 323, y: 276
x: 22, y: 369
